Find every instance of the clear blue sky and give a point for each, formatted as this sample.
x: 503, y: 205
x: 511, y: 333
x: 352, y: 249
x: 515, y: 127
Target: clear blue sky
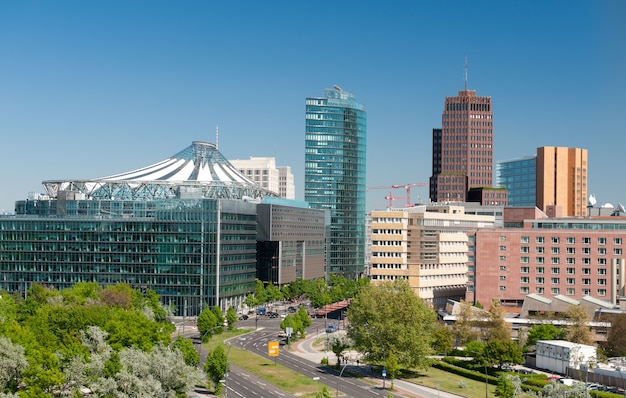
x: 93, y: 88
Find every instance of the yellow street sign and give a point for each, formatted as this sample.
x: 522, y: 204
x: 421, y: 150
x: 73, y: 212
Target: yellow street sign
x: 272, y: 348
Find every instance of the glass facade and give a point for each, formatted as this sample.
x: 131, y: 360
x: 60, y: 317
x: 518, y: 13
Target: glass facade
x: 334, y: 175
x: 192, y: 252
x: 519, y: 177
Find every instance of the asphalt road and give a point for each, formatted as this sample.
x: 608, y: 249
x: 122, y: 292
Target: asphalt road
x: 306, y: 361
x: 347, y: 386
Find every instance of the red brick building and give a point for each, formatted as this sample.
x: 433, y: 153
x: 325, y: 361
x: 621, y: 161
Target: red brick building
x: 573, y: 257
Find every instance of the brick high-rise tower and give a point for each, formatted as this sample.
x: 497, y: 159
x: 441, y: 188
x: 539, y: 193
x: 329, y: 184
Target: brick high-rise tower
x: 466, y: 147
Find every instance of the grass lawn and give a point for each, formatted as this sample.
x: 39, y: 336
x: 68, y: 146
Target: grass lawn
x: 445, y: 381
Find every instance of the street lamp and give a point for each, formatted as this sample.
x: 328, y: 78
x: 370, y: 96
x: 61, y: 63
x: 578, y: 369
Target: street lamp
x: 339, y: 378
x: 382, y: 347
x: 226, y: 371
x: 227, y: 352
x: 486, y: 376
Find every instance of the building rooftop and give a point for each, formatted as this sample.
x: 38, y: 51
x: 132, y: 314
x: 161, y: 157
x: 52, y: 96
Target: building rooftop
x: 199, y: 170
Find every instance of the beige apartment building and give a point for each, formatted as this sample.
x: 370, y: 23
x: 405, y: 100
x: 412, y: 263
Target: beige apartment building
x: 426, y: 245
x: 265, y: 173
x: 562, y: 179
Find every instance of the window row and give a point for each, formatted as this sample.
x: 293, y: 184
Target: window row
x: 557, y: 260
x: 540, y: 280
x: 569, y: 250
x: 557, y: 270
x: 570, y: 240
x: 570, y: 291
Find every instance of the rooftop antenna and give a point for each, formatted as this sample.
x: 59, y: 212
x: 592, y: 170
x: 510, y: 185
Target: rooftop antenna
x: 465, y: 72
x: 217, y: 136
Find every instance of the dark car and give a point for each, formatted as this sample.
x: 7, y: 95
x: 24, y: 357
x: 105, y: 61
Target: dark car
x: 243, y: 317
x: 291, y: 309
x: 272, y: 314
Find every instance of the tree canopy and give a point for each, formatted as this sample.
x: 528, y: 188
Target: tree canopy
x: 113, y: 341
x: 389, y: 318
x: 496, y: 327
x: 545, y: 331
x: 578, y: 331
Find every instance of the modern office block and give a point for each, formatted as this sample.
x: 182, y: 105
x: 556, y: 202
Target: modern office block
x: 465, y: 148
x: 519, y: 177
x: 334, y: 175
x: 562, y: 179
x: 290, y: 241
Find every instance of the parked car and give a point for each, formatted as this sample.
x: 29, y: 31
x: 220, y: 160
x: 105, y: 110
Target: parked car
x: 243, y: 317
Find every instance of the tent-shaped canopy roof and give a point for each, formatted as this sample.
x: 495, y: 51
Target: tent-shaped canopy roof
x: 199, y: 169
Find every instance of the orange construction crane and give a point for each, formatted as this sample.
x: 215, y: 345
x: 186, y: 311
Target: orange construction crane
x: 408, y: 190
x: 391, y: 198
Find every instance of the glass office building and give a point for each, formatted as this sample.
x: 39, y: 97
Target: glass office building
x: 519, y: 177
x: 334, y: 175
x: 185, y: 227
x: 191, y: 252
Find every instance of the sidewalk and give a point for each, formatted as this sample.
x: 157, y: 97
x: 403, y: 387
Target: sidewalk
x: 305, y: 349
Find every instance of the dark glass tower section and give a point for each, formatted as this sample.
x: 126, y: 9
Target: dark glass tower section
x: 436, y: 166
x: 334, y: 175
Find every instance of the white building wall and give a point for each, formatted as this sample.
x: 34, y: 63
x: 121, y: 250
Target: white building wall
x: 265, y: 173
x: 557, y: 355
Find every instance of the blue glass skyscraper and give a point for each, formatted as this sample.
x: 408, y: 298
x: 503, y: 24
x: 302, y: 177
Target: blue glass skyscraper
x: 519, y: 177
x: 334, y: 175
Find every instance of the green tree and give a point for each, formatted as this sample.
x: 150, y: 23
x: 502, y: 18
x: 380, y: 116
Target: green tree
x: 219, y: 319
x: 295, y: 324
x: 558, y: 390
x: 82, y: 292
x: 319, y: 294
x: 544, y: 331
x: 120, y: 295
x: 464, y: 328
x: 393, y: 368
x: 153, y: 304
x: 251, y: 301
x: 338, y: 344
x: 324, y: 393
x: 216, y: 366
x: 134, y: 329
x: 578, y: 330
x: 501, y: 352
x: 185, y: 346
x: 508, y: 385
x: 12, y: 363
x: 389, y: 318
x: 304, y: 318
x: 615, y: 345
x: 207, y: 323
x: 260, y: 293
x: 273, y: 292
x: 497, y: 328
x: 442, y: 340
x: 231, y: 317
